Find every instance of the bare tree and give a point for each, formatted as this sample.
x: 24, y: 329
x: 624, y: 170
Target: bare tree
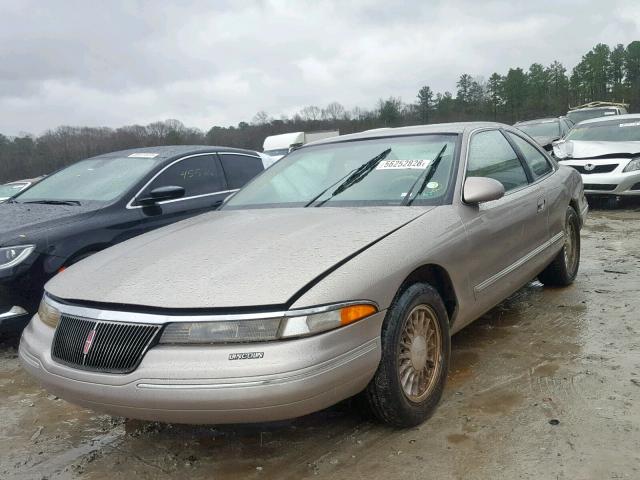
x: 311, y: 113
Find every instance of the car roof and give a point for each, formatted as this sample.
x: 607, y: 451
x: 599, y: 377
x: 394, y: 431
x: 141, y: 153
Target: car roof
x: 601, y: 107
x: 167, y: 152
x: 537, y: 120
x: 434, y: 128
x: 608, y: 118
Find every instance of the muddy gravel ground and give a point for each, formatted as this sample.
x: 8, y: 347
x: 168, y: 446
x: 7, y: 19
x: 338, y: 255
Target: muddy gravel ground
x: 545, y: 386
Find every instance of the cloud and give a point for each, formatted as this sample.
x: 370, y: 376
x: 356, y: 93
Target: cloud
x: 218, y: 63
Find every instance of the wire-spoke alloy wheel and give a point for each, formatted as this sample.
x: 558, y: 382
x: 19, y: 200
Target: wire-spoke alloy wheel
x: 570, y: 250
x: 563, y: 268
x: 415, y: 347
x: 420, y: 353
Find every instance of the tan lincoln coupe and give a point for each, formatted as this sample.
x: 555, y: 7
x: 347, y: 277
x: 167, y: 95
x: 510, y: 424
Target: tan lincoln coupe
x: 343, y: 269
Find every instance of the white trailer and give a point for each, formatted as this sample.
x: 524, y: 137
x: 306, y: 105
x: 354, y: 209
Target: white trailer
x: 277, y: 146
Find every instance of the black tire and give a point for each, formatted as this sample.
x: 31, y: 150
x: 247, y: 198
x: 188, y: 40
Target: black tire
x: 563, y: 269
x: 385, y: 393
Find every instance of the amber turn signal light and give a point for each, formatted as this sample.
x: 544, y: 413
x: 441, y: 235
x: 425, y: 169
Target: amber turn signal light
x: 354, y: 313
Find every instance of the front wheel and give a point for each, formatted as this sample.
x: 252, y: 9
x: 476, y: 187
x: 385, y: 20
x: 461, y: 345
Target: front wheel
x: 408, y: 384
x: 563, y: 269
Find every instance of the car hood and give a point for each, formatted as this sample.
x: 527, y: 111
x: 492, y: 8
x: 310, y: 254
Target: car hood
x: 24, y: 222
x: 582, y: 149
x: 229, y: 259
x: 544, y: 141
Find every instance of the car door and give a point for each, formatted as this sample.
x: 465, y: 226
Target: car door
x: 504, y: 233
x: 542, y: 171
x: 202, y: 177
x: 239, y: 168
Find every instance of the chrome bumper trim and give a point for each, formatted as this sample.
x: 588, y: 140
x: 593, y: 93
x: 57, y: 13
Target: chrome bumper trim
x: 13, y: 312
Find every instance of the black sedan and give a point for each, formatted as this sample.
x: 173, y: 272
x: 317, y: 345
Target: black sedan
x: 104, y: 200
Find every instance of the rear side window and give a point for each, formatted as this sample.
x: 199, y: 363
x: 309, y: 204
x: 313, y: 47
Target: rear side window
x: 198, y: 175
x: 240, y: 168
x: 537, y: 162
x: 491, y: 155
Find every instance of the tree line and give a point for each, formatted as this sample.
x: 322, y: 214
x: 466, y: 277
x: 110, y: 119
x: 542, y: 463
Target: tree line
x: 603, y: 73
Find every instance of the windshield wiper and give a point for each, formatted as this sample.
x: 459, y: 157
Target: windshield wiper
x: 429, y: 174
x: 55, y: 202
x: 354, y: 176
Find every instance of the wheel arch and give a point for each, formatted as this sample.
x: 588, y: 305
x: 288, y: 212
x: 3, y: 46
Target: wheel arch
x: 438, y: 277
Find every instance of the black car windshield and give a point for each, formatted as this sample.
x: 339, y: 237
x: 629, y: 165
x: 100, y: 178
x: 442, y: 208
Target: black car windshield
x: 548, y: 128
x: 98, y: 179
x: 379, y: 171
x: 609, y: 131
x: 586, y: 114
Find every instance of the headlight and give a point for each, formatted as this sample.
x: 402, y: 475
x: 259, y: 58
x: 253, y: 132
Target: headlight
x: 633, y: 165
x: 12, y: 256
x: 48, y: 314
x: 307, y: 322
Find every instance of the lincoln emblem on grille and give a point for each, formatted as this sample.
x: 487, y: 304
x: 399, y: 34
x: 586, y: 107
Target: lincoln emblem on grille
x: 89, y: 342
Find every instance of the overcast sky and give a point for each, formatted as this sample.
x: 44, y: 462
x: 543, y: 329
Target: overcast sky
x: 113, y: 63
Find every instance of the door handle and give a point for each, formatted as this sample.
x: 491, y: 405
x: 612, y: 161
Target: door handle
x: 542, y: 203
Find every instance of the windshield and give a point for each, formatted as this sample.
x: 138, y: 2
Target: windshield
x: 10, y: 189
x: 549, y: 128
x: 580, y: 115
x: 365, y: 172
x: 100, y: 179
x: 610, y: 131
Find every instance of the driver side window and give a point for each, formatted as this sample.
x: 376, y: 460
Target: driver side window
x: 491, y: 155
x: 199, y: 175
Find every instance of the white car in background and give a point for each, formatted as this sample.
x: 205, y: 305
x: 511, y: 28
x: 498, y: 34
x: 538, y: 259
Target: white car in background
x: 595, y: 110
x: 606, y: 151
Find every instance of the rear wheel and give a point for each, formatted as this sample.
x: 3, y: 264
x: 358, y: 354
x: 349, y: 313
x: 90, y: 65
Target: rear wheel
x: 563, y: 269
x: 408, y: 384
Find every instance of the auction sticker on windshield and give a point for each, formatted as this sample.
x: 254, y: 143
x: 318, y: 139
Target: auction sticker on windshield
x: 403, y: 164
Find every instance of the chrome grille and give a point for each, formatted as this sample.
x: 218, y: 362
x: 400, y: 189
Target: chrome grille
x: 116, y: 347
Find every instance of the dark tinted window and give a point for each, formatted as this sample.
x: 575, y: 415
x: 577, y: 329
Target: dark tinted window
x: 240, y: 168
x: 490, y: 155
x: 537, y: 162
x: 198, y: 175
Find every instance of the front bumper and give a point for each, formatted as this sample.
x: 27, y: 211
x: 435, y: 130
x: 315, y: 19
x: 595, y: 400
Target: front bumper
x: 616, y: 182
x: 199, y: 384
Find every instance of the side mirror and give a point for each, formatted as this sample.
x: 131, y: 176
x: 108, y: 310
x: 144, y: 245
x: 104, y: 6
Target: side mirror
x: 161, y: 194
x: 481, y: 189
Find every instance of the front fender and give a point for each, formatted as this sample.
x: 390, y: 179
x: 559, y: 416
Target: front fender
x: 378, y: 273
